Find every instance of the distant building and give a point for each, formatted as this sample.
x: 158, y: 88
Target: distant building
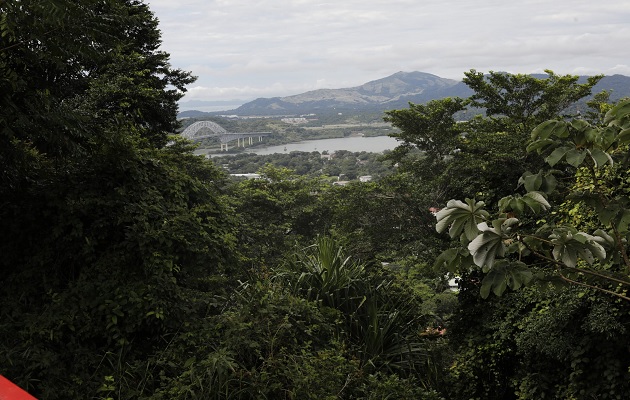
x: 453, y: 284
x: 365, y: 178
x: 247, y: 176
x: 341, y: 183
x: 294, y: 121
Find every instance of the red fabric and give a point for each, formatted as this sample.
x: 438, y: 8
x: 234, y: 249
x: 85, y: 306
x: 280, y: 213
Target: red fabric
x: 10, y: 391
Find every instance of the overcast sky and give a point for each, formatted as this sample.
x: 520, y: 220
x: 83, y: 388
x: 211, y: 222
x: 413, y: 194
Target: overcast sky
x: 244, y: 49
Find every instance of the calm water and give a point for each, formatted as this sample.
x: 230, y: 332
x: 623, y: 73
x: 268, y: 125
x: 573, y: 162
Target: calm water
x: 376, y: 144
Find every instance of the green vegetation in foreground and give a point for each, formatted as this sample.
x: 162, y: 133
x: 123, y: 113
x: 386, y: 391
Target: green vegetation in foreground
x: 136, y: 270
x: 340, y: 165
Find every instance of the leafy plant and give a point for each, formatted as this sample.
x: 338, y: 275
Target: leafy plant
x: 499, y: 248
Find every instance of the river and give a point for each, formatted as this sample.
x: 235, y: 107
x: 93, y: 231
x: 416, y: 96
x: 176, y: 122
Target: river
x: 374, y: 144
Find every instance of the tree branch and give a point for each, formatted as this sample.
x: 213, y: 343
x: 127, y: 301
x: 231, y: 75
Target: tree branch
x: 574, y: 269
x: 21, y: 42
x: 564, y: 278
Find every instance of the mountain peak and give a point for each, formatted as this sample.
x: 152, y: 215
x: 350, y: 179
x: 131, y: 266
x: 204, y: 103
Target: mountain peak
x: 392, y: 92
x: 386, y: 93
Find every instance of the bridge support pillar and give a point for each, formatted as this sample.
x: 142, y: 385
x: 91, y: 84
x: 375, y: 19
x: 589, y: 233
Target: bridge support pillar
x: 224, y: 145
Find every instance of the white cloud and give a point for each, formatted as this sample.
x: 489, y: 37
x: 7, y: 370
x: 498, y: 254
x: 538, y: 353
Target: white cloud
x: 619, y: 69
x: 279, y: 47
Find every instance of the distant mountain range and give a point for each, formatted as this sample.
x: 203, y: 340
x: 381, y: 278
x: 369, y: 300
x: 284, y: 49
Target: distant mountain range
x: 392, y: 92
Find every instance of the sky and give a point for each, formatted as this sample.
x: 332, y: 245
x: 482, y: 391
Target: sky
x: 246, y: 49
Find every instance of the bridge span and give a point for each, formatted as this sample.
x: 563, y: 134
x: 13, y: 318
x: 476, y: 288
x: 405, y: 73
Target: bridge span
x: 205, y: 129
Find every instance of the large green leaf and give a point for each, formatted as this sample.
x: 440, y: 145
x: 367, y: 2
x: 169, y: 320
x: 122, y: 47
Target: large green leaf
x: 624, y: 221
x: 618, y: 112
x: 489, y: 245
x: 569, y: 245
x: 579, y: 124
x: 604, y: 239
x: 510, y: 202
x: 494, y: 281
x: 607, y: 137
x: 623, y: 137
x: 549, y: 183
x: 542, y: 181
x: 536, y: 201
x: 607, y: 213
x: 505, y: 274
x: 550, y: 128
x: 557, y: 155
x: 461, y: 217
x: 531, y: 181
x: 453, y: 260
x: 584, y: 134
x: 486, y: 247
x: 519, y: 275
x: 575, y: 157
x: 539, y: 145
x: 600, y: 157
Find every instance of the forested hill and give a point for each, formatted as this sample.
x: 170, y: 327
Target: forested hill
x: 392, y: 92
x: 384, y: 93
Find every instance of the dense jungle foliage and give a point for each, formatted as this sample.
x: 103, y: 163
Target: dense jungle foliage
x: 340, y: 165
x: 133, y: 269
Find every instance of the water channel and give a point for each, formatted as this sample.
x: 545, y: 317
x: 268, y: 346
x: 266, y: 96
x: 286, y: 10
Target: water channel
x: 375, y: 144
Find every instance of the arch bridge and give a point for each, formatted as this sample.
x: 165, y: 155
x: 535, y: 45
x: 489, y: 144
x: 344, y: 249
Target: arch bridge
x: 205, y: 129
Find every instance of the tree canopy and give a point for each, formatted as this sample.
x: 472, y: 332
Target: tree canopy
x: 110, y: 239
x: 596, y: 155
